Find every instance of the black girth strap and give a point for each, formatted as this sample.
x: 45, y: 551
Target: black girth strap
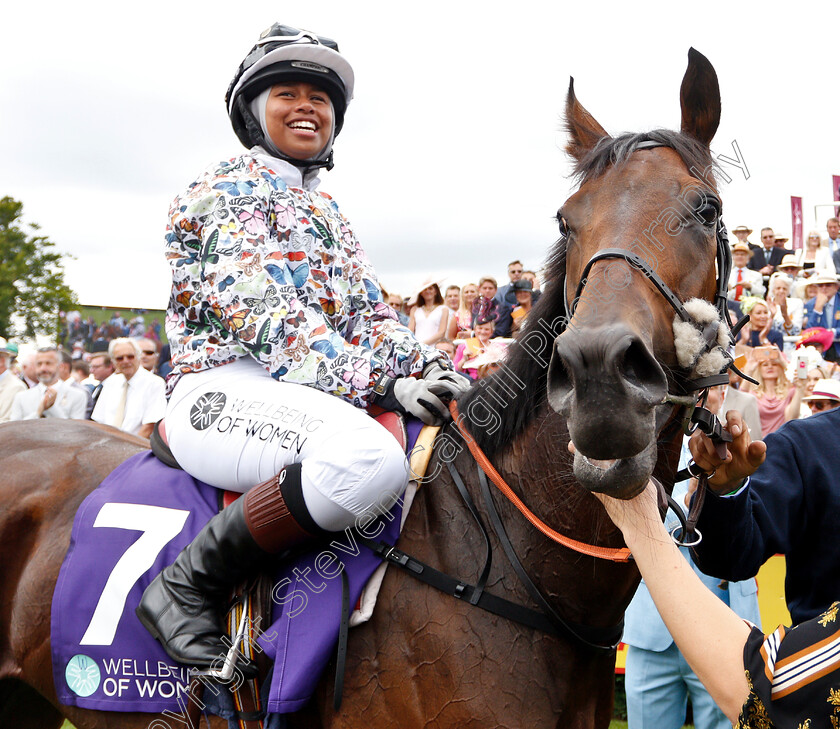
x: 488, y: 553
x: 462, y: 590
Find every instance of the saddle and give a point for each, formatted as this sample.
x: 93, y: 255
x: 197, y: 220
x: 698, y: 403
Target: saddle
x: 251, y: 606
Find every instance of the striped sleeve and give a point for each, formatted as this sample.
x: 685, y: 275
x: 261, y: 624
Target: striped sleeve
x: 794, y: 675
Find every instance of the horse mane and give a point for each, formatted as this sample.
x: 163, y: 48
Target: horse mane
x: 497, y: 409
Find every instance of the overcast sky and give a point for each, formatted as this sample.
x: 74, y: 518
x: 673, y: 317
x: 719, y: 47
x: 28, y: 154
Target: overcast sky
x: 450, y: 161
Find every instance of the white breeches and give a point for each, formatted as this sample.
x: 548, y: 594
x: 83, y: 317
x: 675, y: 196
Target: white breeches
x: 234, y: 427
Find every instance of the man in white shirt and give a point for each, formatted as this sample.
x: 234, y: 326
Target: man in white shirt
x: 132, y: 399
x: 51, y: 397
x: 148, y: 354
x: 9, y: 384
x: 743, y: 281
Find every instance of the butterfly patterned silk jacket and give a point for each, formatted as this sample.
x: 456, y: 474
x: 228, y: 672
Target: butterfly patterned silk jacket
x: 265, y: 267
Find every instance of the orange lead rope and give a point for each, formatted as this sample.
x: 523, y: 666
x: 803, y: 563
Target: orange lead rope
x: 614, y: 554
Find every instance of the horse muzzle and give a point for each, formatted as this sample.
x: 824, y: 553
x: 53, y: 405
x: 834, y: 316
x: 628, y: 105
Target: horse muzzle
x: 606, y: 384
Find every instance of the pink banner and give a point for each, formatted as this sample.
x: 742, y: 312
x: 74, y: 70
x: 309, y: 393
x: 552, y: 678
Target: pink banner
x: 796, y: 222
x: 835, y: 193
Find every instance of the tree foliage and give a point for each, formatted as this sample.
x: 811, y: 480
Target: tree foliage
x: 32, y: 287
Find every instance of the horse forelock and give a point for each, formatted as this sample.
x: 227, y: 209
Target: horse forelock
x: 615, y: 151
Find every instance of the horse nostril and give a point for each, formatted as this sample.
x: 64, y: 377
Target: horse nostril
x: 560, y: 378
x: 639, y: 368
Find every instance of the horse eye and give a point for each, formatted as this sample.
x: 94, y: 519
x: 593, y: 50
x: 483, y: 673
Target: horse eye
x: 709, y: 213
x: 564, y: 226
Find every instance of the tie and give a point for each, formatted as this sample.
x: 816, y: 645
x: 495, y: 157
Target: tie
x: 739, y: 290
x: 119, y: 416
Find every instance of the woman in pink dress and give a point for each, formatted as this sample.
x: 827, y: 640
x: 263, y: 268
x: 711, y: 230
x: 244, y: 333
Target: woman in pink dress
x: 776, y: 396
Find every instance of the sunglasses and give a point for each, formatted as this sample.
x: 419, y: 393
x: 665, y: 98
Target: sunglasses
x: 125, y: 356
x: 820, y: 405
x: 149, y: 351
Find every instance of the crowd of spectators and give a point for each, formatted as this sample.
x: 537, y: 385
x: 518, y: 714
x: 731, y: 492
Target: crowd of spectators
x: 790, y: 299
x: 790, y: 337
x: 473, y: 323
x: 86, y: 335
x: 123, y: 386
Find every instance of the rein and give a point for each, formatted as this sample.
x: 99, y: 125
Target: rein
x: 610, y: 553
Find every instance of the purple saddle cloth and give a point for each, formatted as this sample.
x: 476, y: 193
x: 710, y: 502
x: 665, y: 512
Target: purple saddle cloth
x: 131, y: 527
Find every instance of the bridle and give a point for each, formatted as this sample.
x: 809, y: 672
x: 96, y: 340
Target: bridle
x: 723, y: 258
x: 546, y: 618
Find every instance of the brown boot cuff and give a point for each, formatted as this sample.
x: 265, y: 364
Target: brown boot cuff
x: 268, y: 516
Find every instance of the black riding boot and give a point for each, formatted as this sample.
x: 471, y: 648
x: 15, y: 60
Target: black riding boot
x: 182, y: 606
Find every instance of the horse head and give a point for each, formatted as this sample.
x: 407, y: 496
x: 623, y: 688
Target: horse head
x: 640, y: 237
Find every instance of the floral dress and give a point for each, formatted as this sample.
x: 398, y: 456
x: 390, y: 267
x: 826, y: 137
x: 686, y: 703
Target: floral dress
x: 794, y: 676
x: 264, y: 266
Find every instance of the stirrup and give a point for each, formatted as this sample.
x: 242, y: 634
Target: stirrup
x: 225, y: 674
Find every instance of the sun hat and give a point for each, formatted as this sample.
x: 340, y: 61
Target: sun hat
x: 789, y: 261
x: 823, y: 277
x: 825, y: 390
x: 816, y: 335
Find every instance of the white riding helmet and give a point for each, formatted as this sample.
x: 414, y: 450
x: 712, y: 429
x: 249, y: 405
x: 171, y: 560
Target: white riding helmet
x: 281, y: 54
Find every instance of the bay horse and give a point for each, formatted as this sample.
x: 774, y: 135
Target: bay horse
x: 596, y: 358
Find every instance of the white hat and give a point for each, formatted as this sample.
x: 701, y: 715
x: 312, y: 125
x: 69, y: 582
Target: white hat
x: 823, y: 277
x: 825, y: 390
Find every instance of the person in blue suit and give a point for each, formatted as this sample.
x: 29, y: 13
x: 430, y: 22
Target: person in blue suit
x: 824, y: 311
x: 658, y: 681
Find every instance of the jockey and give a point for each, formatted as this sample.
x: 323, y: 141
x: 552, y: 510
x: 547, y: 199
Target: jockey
x: 280, y: 339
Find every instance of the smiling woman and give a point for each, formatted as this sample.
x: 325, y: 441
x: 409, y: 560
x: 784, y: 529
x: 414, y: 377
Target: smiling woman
x: 299, y: 119
x: 274, y: 303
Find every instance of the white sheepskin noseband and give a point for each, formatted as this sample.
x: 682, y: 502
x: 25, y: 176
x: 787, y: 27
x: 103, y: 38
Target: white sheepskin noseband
x: 692, y: 353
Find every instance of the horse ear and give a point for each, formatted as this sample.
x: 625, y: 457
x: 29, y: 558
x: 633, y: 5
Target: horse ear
x: 700, y: 98
x: 584, y: 131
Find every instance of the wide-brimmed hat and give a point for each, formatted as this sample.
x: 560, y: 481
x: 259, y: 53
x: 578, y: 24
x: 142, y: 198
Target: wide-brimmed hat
x: 741, y: 247
x: 825, y: 390
x: 415, y: 297
x: 4, y: 347
x: 816, y: 335
x: 742, y: 229
x: 789, y: 261
x: 823, y: 277
x: 782, y: 238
